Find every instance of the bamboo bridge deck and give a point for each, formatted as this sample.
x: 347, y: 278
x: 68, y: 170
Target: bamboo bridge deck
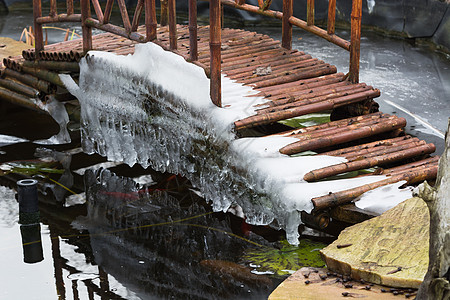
x: 294, y: 84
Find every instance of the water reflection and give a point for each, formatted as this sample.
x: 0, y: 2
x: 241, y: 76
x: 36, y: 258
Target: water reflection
x: 31, y: 243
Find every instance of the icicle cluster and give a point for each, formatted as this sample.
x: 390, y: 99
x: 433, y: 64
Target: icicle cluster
x: 153, y: 108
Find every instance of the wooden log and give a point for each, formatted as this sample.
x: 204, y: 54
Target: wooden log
x: 38, y: 34
x: 98, y: 10
x: 262, y: 119
x: 310, y: 13
x: 69, y: 4
x: 215, y: 49
x: 406, y: 167
x: 108, y: 10
x: 61, y: 18
x: 193, y: 47
x: 150, y: 20
x: 339, y: 198
x: 164, y: 18
x: 343, y: 151
x: 286, y: 37
x: 407, y: 144
x: 290, y: 101
x: 87, y: 30
x: 355, y: 40
x: 172, y: 25
x: 322, y: 70
x: 331, y: 16
x: 302, y: 84
x: 124, y: 14
x: 137, y: 15
x: 368, y: 163
x: 340, y: 134
x: 53, y: 11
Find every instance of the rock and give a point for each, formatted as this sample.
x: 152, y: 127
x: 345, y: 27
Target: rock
x: 319, y: 287
x: 391, y: 249
x: 10, y: 47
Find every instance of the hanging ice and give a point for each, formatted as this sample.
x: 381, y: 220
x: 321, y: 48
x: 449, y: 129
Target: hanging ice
x: 153, y: 108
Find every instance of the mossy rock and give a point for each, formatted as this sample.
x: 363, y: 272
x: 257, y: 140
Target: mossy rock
x: 391, y: 249
x: 10, y: 47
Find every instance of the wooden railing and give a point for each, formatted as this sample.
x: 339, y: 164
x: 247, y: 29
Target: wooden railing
x: 129, y: 28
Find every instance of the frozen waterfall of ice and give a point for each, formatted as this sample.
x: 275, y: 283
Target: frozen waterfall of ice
x: 153, y: 108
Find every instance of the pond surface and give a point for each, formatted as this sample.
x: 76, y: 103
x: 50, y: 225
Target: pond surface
x: 159, y: 239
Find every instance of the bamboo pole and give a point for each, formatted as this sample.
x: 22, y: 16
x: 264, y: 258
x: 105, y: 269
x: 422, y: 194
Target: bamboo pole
x: 193, y: 47
x: 331, y: 17
x: 310, y: 13
x: 19, y: 88
x: 32, y: 81
x: 355, y: 41
x: 54, y: 65
x: 19, y: 99
x: 38, y: 34
x: 108, y: 10
x: 164, y: 19
x: 368, y: 162
x: 150, y: 20
x: 137, y: 15
x: 286, y: 38
x: 173, y: 25
x: 339, y: 198
x: 215, y: 52
x: 87, y: 30
x: 51, y: 77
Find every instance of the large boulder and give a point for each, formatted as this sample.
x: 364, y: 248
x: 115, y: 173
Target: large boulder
x: 391, y: 249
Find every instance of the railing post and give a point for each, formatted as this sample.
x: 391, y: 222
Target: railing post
x: 164, y: 19
x: 215, y: 51
x: 286, y: 39
x: 331, y: 16
x: 193, y: 52
x: 355, y: 41
x: 172, y: 25
x: 38, y: 35
x: 150, y: 20
x: 310, y: 13
x: 69, y: 4
x: 87, y: 31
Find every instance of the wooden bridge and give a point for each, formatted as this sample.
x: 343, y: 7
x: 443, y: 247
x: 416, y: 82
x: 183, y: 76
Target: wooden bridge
x: 293, y: 82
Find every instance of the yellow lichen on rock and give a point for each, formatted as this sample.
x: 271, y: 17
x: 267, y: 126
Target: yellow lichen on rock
x: 391, y: 249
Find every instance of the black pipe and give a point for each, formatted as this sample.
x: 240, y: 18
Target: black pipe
x: 28, y: 201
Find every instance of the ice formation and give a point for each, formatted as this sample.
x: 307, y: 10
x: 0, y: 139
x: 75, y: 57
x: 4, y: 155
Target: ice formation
x: 153, y: 108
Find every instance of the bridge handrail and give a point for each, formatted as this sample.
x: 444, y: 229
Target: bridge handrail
x: 214, y: 71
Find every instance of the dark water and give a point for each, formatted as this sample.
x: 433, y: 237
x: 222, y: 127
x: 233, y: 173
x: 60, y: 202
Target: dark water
x: 159, y: 239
